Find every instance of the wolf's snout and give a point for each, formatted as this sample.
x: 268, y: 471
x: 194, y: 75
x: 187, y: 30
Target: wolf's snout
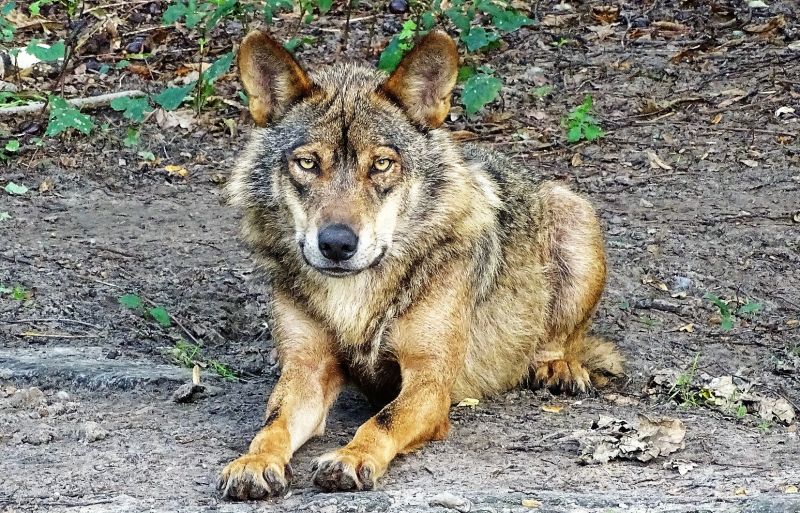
x: 337, y: 242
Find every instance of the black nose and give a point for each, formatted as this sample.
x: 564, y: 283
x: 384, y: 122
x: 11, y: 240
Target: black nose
x: 337, y: 242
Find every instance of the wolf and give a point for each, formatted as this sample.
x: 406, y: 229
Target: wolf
x: 418, y: 268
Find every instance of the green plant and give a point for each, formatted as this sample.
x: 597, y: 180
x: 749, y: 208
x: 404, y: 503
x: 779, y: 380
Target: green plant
x: 157, y: 313
x: 581, y: 124
x: 15, y: 189
x: 750, y: 308
x: 17, y: 292
x: 479, y: 24
x: 741, y: 411
x: 764, y: 426
x: 683, y: 391
x: 6, y: 27
x: 186, y: 354
x: 63, y: 116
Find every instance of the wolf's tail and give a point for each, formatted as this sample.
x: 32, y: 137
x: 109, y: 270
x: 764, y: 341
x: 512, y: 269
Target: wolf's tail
x: 601, y: 359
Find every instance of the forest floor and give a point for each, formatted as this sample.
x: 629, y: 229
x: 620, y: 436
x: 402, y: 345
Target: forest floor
x: 697, y: 181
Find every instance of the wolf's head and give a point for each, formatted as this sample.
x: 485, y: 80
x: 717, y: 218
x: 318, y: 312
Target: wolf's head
x: 347, y: 151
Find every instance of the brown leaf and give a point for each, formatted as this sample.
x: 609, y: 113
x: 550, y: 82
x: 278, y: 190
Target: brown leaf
x: 716, y: 119
x: 669, y: 26
x: 46, y: 185
x: 552, y: 408
x: 774, y: 23
x: 605, y: 14
x: 174, y: 170
x: 656, y: 162
x: 602, y: 31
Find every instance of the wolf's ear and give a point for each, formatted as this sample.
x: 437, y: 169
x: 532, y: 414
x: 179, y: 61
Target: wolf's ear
x: 423, y: 81
x: 272, y: 78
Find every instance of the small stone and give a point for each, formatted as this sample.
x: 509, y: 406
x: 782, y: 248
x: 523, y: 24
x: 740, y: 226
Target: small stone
x: 27, y: 398
x: 62, y: 396
x: 451, y: 501
x: 645, y: 204
x: 186, y: 392
x: 91, y: 431
x: 112, y: 354
x: 681, y: 283
x: 623, y: 180
x: 38, y: 436
x: 398, y: 6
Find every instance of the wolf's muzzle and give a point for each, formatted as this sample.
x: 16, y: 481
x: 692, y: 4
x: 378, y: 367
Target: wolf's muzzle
x: 337, y: 242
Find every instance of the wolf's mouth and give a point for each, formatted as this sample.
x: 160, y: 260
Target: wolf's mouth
x: 337, y: 271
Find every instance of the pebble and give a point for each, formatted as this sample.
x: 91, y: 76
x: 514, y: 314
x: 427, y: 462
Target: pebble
x: 681, y: 283
x: 451, y: 501
x: 91, y: 431
x: 186, y: 392
x: 62, y: 396
x: 27, y: 398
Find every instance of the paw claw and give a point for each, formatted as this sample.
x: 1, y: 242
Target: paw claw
x: 344, y: 471
x: 254, y: 477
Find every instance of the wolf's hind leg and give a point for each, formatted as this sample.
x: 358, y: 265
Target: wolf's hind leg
x: 571, y: 361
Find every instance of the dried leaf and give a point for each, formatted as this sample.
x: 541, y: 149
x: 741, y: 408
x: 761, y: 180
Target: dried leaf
x: 783, y: 111
x: 669, y: 26
x: 468, y: 402
x: 183, y: 118
x: 601, y: 32
x: 774, y: 23
x: 687, y: 328
x: 776, y: 409
x: 716, y: 119
x: 533, y: 503
x: 552, y: 408
x: 749, y: 163
x: 174, y: 170
x: 656, y: 162
x: 605, y: 14
x: 790, y: 489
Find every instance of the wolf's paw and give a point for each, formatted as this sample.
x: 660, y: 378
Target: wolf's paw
x: 254, y: 476
x: 563, y: 376
x: 345, y: 470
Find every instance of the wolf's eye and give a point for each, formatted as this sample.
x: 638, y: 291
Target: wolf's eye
x: 307, y: 164
x: 381, y: 165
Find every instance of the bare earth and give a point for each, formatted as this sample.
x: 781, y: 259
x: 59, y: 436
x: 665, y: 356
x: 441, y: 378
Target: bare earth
x: 691, y: 204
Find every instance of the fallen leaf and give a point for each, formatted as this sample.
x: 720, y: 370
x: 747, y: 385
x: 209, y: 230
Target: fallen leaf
x: 611, y: 438
x: 46, y: 185
x: 777, y: 409
x: 687, y: 328
x: 796, y: 217
x: 4, y: 216
x: 552, y: 408
x: 656, y: 162
x: 176, y: 170
x: 533, y: 503
x: 794, y: 46
x: 740, y: 491
x: 716, y: 119
x: 601, y: 32
x: 468, y: 402
x: 669, y: 26
x: 552, y: 20
x: 183, y: 118
x: 790, y: 489
x: 605, y: 14
x: 682, y: 466
x: 15, y: 189
x: 576, y: 160
x: 749, y: 163
x: 756, y: 4
x: 773, y: 24
x: 783, y: 110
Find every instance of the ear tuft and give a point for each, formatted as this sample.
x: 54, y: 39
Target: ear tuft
x: 271, y: 76
x: 425, y: 78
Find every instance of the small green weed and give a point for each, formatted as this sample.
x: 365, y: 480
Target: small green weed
x: 188, y: 355
x: 750, y: 308
x: 157, y: 313
x: 17, y: 292
x: 764, y: 426
x: 683, y: 390
x: 581, y: 124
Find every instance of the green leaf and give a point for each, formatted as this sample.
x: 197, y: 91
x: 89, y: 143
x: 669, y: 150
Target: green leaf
x: 15, y: 189
x: 12, y: 146
x: 460, y: 18
x: 749, y: 308
x: 479, y: 91
x: 4, y: 216
x: 391, y: 55
x: 147, y: 155
x: 36, y: 6
x: 45, y: 53
x: 131, y: 301
x: 172, y: 97
x: 19, y: 293
x: 224, y: 8
x: 122, y: 64
x: 428, y: 21
x: 103, y: 70
x: 272, y: 6
x: 478, y: 38
x: 464, y: 73
x: 324, y: 5
x: 592, y: 132
x: 7, y: 8
x: 542, y: 91
x: 161, y: 316
x: 574, y: 134
x: 174, y: 12
x: 727, y: 323
x: 63, y: 116
x: 509, y: 21
x: 131, y: 137
x: 134, y: 109
x: 218, y: 68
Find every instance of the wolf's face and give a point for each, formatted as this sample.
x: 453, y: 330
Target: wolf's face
x: 347, y: 176
x: 343, y: 150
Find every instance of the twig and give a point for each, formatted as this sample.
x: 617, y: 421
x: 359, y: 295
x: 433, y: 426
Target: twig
x: 346, y: 35
x: 70, y: 321
x: 176, y: 321
x: 91, y: 101
x: 55, y: 335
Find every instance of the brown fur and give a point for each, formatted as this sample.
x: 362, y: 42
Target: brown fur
x: 469, y: 277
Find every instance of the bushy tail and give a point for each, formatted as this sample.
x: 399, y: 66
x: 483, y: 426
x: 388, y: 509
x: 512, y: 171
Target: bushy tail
x: 600, y: 358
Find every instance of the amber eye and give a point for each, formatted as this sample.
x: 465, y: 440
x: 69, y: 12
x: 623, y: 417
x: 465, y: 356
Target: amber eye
x: 382, y: 164
x: 307, y: 164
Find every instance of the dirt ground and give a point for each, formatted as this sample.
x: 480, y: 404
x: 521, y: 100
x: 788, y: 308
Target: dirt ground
x: 698, y: 184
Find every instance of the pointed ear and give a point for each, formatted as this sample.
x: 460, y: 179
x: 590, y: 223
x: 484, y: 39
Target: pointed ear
x: 423, y: 81
x: 272, y: 78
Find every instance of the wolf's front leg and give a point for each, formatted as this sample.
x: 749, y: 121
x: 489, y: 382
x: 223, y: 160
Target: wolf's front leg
x: 309, y: 383
x: 429, y: 344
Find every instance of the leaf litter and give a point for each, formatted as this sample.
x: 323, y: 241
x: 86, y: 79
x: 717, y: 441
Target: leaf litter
x: 644, y: 440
